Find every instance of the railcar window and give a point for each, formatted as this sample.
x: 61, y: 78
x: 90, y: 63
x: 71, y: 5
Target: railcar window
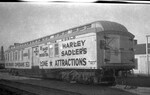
x: 65, y: 32
x: 56, y: 50
x: 60, y: 34
x: 28, y: 53
x: 8, y: 56
x: 74, y: 30
x: 16, y: 56
x: 102, y: 44
x: 66, y: 39
x: 13, y: 56
x: 88, y: 26
x: 56, y: 35
x: 73, y: 37
x: 5, y: 56
x: 21, y: 54
x: 70, y: 31
x: 48, y: 37
x: 81, y: 28
x: 41, y: 39
x: 51, y: 36
x: 51, y: 50
x: 58, y: 40
x: 44, y: 38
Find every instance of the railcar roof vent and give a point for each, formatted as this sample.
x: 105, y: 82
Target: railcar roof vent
x: 51, y: 36
x: 74, y: 30
x: 16, y: 44
x: 88, y: 26
x: 81, y: 28
x: 65, y: 32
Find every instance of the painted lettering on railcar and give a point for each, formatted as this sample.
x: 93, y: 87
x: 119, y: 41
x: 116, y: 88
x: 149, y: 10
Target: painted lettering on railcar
x: 71, y: 62
x: 78, y: 51
x: 22, y: 65
x: 43, y: 51
x: 73, y: 44
x: 9, y: 65
x: 44, y: 63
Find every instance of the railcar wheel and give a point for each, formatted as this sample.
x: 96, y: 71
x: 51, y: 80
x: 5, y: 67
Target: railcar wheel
x: 65, y: 76
x: 16, y: 73
x: 95, y: 80
x: 90, y: 80
x: 111, y: 84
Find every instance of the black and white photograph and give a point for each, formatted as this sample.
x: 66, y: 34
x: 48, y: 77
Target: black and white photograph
x: 60, y: 48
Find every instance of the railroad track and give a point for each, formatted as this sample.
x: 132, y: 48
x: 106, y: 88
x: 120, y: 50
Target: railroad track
x: 7, y: 90
x: 36, y: 86
x: 31, y: 89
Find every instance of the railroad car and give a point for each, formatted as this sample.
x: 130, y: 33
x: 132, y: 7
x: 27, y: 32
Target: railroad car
x: 92, y: 53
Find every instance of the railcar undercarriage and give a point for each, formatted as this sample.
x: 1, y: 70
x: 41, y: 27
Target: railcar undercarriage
x: 85, y: 76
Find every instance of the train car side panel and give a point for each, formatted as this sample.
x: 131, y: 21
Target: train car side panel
x: 24, y: 59
x: 78, y: 53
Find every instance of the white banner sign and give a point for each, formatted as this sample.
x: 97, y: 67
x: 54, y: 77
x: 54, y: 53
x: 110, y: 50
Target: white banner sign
x: 76, y: 53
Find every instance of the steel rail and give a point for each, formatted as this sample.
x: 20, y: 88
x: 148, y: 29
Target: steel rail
x: 36, y: 89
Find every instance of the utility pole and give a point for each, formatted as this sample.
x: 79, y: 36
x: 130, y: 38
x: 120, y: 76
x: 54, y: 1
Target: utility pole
x: 147, y: 56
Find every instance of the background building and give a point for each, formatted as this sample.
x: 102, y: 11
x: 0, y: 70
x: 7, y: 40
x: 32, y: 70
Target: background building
x: 142, y: 66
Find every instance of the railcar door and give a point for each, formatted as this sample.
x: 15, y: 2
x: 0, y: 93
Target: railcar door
x: 111, y: 49
x: 118, y: 49
x: 35, y: 56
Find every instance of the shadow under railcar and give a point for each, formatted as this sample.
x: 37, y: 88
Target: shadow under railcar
x: 142, y: 81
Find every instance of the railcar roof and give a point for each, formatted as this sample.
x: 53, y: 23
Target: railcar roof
x: 108, y: 25
x: 114, y: 26
x: 104, y: 25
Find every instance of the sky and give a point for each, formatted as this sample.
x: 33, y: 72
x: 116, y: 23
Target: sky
x: 22, y: 22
